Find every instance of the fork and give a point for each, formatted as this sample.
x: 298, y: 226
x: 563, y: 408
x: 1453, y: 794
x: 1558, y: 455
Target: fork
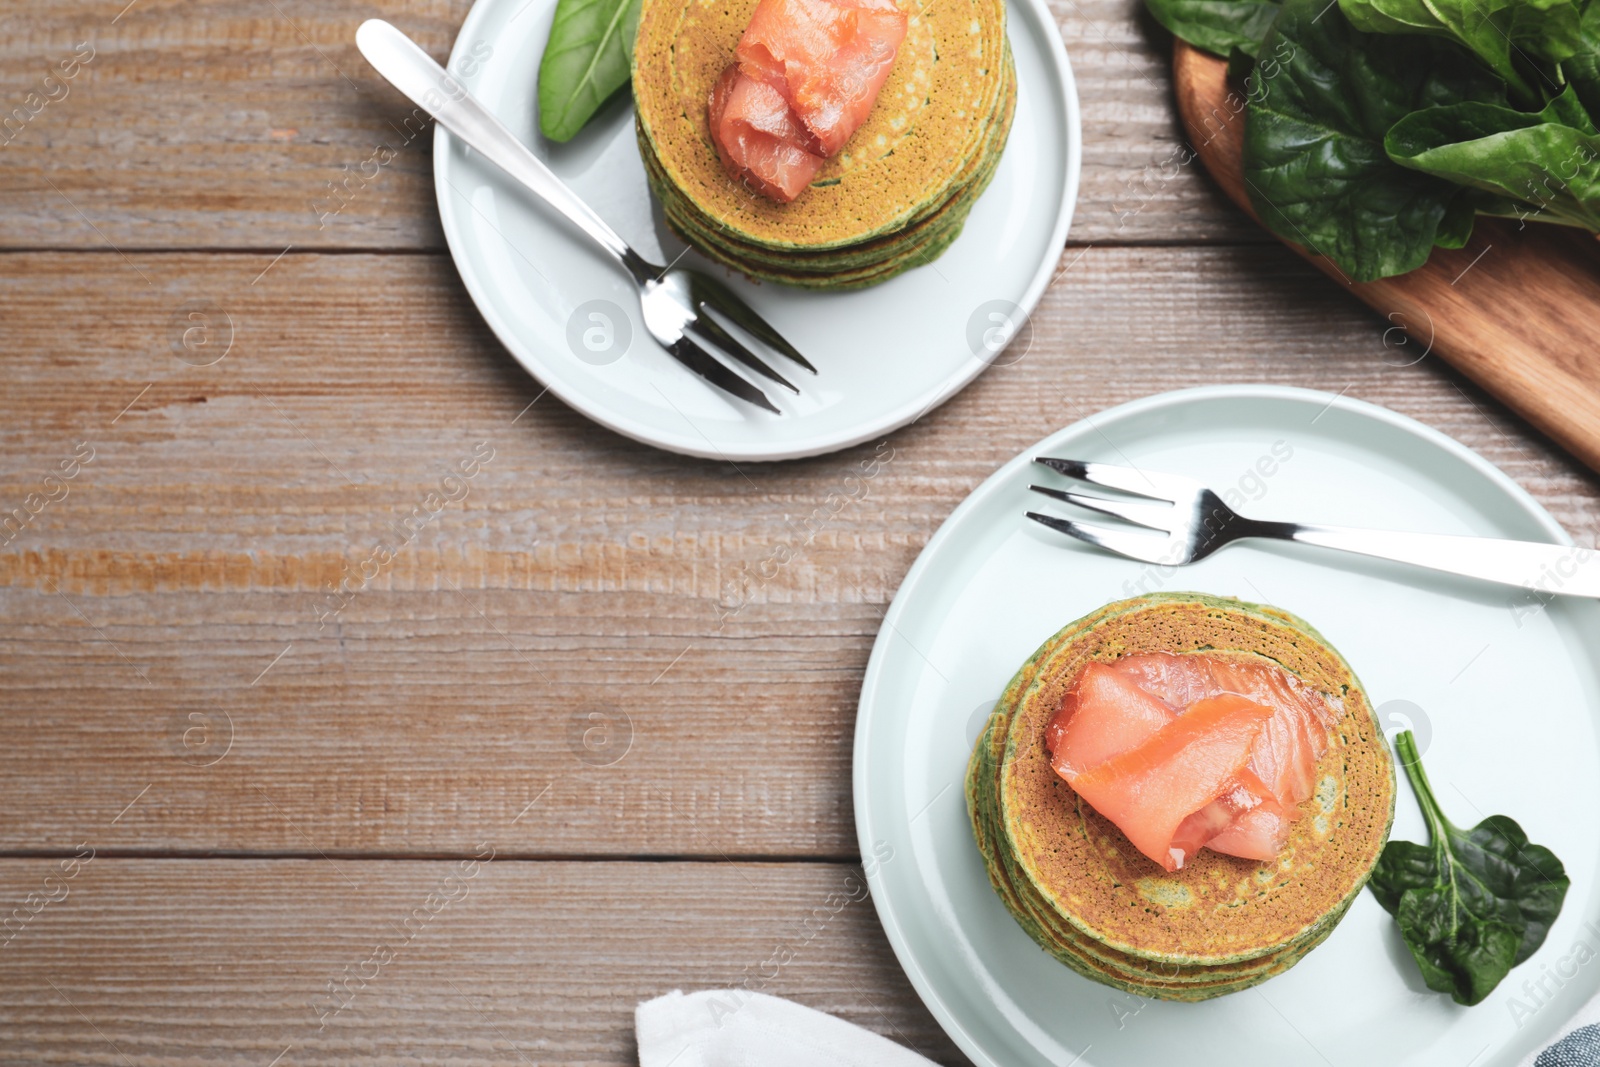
x: 1195, y: 522
x: 673, y: 299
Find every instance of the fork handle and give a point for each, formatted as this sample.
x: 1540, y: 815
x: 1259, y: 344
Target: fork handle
x: 1551, y: 570
x: 411, y: 70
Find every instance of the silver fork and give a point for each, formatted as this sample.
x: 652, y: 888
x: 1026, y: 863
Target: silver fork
x: 673, y: 299
x: 1195, y: 522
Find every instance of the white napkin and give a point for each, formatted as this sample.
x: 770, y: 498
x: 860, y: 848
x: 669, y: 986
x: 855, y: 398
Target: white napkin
x: 735, y: 1028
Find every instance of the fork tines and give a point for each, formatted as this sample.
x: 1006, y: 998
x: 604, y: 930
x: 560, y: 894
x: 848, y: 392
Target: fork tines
x: 1139, y: 482
x: 721, y: 299
x: 691, y: 354
x: 1123, y: 542
x: 1155, y: 510
x: 1154, y: 516
x: 707, y: 330
x: 704, y: 337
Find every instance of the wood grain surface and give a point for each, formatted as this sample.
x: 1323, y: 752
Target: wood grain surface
x: 224, y: 121
x: 571, y: 662
x: 1521, y: 321
x: 498, y: 962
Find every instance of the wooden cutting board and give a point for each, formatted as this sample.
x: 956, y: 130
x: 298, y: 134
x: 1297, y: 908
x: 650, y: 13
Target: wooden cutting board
x: 1517, y: 310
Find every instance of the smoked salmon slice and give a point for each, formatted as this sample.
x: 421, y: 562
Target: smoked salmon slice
x: 1285, y: 756
x: 1257, y: 834
x: 1108, y: 715
x: 1113, y: 709
x: 805, y: 76
x: 829, y: 59
x: 1150, y: 790
x: 1245, y: 821
x: 1287, y: 751
x: 758, y: 137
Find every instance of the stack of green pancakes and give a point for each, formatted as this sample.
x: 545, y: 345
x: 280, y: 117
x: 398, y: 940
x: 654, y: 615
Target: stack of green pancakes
x: 1220, y: 924
x: 894, y: 198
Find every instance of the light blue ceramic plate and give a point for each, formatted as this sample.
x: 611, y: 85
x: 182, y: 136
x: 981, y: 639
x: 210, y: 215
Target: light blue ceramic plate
x: 886, y: 355
x: 1502, y: 691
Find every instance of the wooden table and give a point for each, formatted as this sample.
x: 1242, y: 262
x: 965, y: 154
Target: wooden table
x: 284, y: 805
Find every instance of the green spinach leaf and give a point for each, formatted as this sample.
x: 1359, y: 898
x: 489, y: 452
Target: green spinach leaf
x: 589, y: 56
x: 1217, y: 26
x: 1520, y: 40
x: 1314, y: 158
x: 1549, y: 161
x: 1471, y: 904
x: 1582, y: 69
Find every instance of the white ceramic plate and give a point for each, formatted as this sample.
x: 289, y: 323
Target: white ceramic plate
x: 886, y: 355
x: 1505, y: 691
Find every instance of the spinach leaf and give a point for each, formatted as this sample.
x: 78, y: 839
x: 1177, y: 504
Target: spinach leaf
x: 1471, y: 904
x: 1549, y: 161
x: 589, y: 56
x: 1520, y: 40
x: 1216, y: 26
x: 1582, y: 69
x: 1314, y: 158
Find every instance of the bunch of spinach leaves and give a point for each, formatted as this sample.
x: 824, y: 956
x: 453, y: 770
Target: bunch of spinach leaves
x: 1381, y: 128
x: 1471, y: 904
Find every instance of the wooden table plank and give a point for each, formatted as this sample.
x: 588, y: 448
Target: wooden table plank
x: 504, y: 962
x: 224, y: 122
x: 581, y: 575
